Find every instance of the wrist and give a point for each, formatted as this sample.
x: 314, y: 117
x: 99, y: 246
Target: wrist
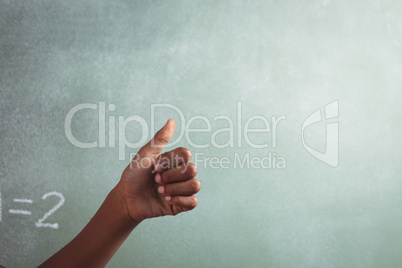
x: 122, y: 210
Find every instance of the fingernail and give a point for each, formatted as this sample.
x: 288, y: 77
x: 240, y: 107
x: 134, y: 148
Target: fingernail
x: 158, y: 178
x: 157, y: 167
x: 168, y: 197
x: 161, y: 189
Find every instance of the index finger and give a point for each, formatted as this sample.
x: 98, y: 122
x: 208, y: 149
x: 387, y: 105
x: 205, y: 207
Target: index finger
x: 172, y: 159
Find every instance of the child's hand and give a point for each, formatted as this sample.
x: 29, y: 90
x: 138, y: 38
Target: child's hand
x: 170, y: 190
x: 140, y: 194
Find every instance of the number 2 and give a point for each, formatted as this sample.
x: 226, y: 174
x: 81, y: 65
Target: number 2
x: 40, y: 222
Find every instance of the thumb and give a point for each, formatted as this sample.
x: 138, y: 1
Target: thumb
x: 159, y: 141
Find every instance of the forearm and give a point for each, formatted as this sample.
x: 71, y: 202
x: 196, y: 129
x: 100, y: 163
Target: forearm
x: 95, y: 245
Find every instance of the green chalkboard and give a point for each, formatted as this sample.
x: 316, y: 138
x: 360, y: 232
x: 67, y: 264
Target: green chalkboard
x: 291, y: 110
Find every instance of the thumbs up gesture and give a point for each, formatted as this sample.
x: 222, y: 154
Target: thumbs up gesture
x: 155, y: 184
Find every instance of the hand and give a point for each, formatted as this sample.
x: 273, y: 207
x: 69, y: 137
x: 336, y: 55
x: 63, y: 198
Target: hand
x: 170, y: 190
x: 140, y: 194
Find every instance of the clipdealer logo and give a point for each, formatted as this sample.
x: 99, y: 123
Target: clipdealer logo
x: 331, y: 154
x: 235, y: 133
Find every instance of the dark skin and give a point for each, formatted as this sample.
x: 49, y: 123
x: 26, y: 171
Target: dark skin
x: 176, y: 178
x: 152, y: 185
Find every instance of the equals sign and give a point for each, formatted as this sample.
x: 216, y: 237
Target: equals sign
x: 19, y: 211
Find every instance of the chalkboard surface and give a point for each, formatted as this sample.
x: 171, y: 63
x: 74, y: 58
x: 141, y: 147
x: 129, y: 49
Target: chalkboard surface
x: 290, y: 108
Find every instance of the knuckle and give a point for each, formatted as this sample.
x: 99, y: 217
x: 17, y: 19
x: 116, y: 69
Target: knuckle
x: 195, y: 185
x: 191, y: 170
x: 193, y: 202
x: 161, y: 139
x: 185, y: 153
